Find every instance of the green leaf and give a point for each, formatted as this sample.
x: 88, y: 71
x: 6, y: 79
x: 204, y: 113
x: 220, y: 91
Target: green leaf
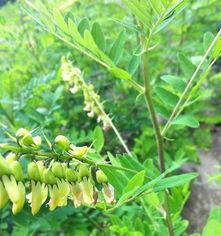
x: 174, y: 181
x: 213, y: 227
x: 140, y: 10
x: 98, y: 139
x: 59, y: 20
x: 134, y: 63
x: 83, y: 25
x: 186, y: 120
x: 135, y: 182
x: 176, y: 82
x: 166, y: 96
x: 116, y: 51
x: 171, y: 13
x: 120, y: 73
x: 98, y: 36
x: 116, y: 178
x: 89, y: 42
x: 73, y: 31
x: 186, y: 66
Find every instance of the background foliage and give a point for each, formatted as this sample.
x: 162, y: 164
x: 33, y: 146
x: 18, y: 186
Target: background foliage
x: 34, y: 95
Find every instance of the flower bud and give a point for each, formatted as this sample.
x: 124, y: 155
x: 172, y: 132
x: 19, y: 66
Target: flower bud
x: 4, y: 168
x: 16, y: 170
x: 49, y: 177
x: 37, y: 141
x: 62, y: 142
x: 21, y: 133
x: 27, y: 140
x: 71, y: 175
x: 33, y: 172
x: 101, y: 177
x: 57, y: 169
x: 41, y: 169
x: 83, y: 171
x: 11, y: 157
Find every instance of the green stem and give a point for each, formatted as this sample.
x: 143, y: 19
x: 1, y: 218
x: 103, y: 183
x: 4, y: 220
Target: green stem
x: 53, y: 155
x: 155, y: 123
x: 189, y: 85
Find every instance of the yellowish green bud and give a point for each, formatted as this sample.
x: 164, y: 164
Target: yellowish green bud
x: 21, y: 133
x: 4, y: 168
x: 41, y: 169
x: 33, y: 172
x: 49, y: 177
x: 37, y: 141
x: 83, y: 171
x: 71, y: 175
x: 101, y: 177
x: 11, y: 157
x: 57, y: 169
x: 27, y: 140
x: 62, y: 142
x: 16, y: 170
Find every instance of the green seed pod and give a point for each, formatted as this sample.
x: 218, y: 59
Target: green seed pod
x: 101, y: 177
x: 62, y: 142
x: 17, y: 171
x: 11, y: 157
x: 57, y: 169
x: 33, y: 172
x: 4, y: 168
x: 49, y: 177
x: 83, y: 171
x: 71, y: 175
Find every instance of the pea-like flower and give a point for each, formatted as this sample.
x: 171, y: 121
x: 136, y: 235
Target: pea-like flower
x: 39, y: 190
x: 107, y: 190
x: 12, y: 175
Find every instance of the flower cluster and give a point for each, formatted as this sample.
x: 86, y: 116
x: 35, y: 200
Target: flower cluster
x: 54, y: 177
x: 92, y: 103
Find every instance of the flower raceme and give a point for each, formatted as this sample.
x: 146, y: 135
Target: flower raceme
x: 92, y: 105
x: 52, y: 180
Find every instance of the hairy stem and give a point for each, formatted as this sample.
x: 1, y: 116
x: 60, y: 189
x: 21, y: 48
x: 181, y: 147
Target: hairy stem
x: 158, y: 136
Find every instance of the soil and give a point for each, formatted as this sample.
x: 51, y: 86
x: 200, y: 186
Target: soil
x: 204, y: 194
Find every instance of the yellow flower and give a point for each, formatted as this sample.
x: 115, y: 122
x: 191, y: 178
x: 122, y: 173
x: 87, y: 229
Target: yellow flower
x: 76, y: 193
x: 15, y: 191
x: 38, y: 196
x: 17, y: 206
x: 108, y: 192
x: 58, y: 194
x: 87, y: 189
